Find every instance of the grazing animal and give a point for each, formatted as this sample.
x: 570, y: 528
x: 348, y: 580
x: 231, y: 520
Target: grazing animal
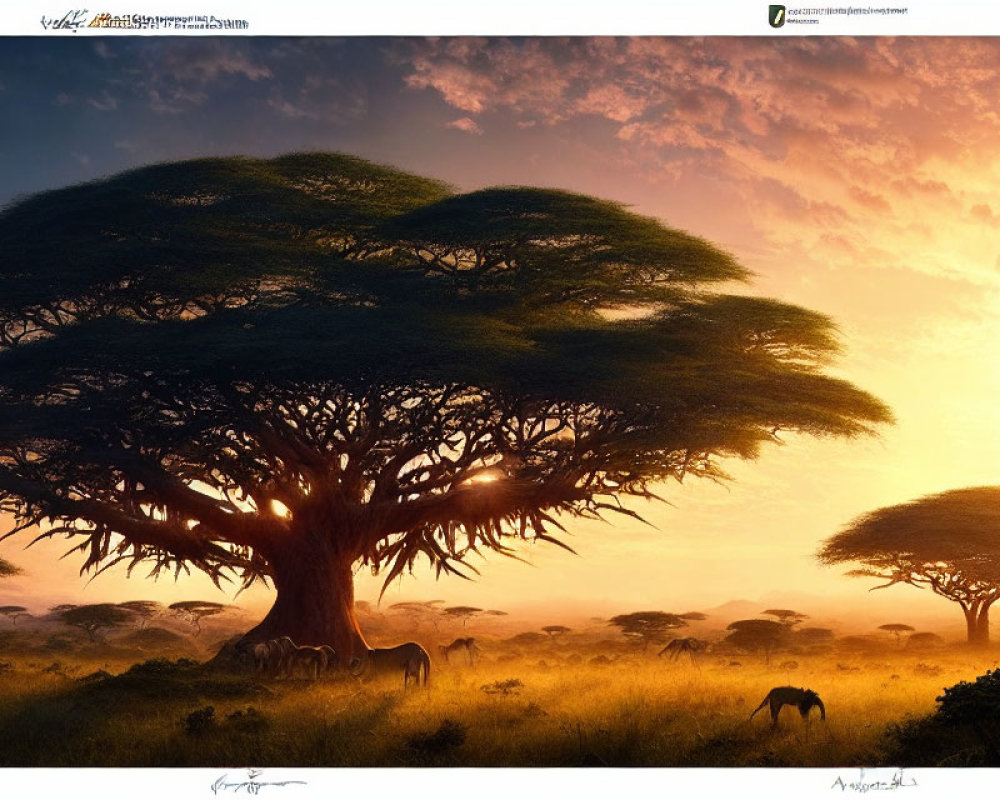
x: 689, y: 646
x: 273, y: 655
x: 315, y: 660
x: 468, y: 644
x: 261, y: 652
x: 332, y: 662
x: 802, y: 699
x: 408, y: 658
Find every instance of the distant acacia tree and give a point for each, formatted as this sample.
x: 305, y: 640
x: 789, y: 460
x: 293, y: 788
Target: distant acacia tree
x: 813, y: 637
x: 464, y: 613
x: 95, y: 617
x: 13, y: 612
x: 287, y: 369
x: 145, y: 610
x: 527, y: 638
x: 197, y: 610
x: 948, y: 543
x: 758, y: 636
x: 419, y: 612
x: 786, y: 616
x: 897, y: 628
x: 649, y: 627
x: 924, y: 640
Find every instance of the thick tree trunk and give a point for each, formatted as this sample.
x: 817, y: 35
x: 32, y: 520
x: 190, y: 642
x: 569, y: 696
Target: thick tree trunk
x: 977, y: 623
x: 970, y: 624
x: 983, y: 625
x: 315, y: 602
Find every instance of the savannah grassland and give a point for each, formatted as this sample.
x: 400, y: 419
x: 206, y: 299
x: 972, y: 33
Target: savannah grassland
x: 549, y: 707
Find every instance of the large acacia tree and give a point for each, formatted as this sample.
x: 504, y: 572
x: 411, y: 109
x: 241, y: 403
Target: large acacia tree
x: 948, y: 543
x: 292, y: 369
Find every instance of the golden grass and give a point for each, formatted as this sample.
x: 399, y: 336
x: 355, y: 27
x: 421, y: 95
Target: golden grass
x: 639, y: 711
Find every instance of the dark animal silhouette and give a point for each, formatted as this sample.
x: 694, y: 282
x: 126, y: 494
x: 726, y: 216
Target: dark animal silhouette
x: 802, y: 699
x: 689, y: 646
x: 468, y: 644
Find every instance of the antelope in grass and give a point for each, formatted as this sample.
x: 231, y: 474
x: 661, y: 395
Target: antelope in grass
x: 468, y: 644
x: 407, y: 658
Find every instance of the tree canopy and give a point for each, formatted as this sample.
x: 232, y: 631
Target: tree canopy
x: 13, y: 612
x: 286, y: 369
x: 197, y: 610
x: 7, y: 569
x: 94, y: 617
x: 948, y: 542
x: 758, y: 635
x: 786, y: 616
x: 648, y: 626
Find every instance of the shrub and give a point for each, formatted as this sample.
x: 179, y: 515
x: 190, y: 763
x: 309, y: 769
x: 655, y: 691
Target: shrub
x: 504, y: 688
x: 964, y: 731
x: 197, y: 722
x: 448, y: 736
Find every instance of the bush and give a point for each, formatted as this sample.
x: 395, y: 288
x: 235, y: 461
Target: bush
x: 964, y: 731
x: 197, y: 722
x: 504, y: 688
x: 448, y: 736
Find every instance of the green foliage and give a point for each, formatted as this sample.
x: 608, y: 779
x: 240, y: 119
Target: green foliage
x: 960, y: 528
x: 963, y: 731
x: 947, y: 542
x: 182, y: 346
x: 975, y: 701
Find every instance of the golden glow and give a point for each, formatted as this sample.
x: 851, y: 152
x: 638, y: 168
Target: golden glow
x: 280, y: 509
x: 489, y: 476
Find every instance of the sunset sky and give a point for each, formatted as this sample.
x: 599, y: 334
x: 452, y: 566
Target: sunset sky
x: 856, y: 177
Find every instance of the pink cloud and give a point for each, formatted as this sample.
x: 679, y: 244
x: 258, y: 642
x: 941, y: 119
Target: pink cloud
x: 859, y: 138
x: 465, y: 124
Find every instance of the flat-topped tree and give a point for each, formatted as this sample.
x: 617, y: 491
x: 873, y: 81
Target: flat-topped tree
x: 948, y: 543
x: 290, y: 369
x: 786, y: 616
x: 897, y: 628
x: 648, y: 626
x: 7, y: 569
x: 13, y: 612
x: 194, y: 611
x: 464, y: 613
x: 145, y: 610
x: 419, y: 611
x: 759, y: 635
x: 95, y: 617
